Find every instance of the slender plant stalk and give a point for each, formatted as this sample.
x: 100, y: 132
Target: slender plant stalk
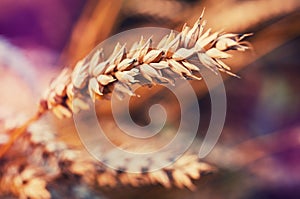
x: 95, y: 77
x: 17, y: 132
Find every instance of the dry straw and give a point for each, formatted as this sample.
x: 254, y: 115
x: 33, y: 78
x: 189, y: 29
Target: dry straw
x: 97, y: 77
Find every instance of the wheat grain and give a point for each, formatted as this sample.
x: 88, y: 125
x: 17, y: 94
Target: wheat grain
x: 97, y: 77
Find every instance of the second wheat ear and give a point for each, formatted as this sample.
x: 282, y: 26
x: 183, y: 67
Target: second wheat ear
x: 97, y: 77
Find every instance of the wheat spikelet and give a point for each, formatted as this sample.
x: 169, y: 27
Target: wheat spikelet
x: 96, y: 77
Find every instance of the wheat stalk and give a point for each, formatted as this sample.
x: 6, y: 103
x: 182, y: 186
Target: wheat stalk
x: 96, y: 77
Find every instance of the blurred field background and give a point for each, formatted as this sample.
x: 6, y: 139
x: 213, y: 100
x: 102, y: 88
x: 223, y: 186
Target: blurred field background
x: 258, y: 152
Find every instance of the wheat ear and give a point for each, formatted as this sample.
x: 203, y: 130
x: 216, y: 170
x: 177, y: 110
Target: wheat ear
x: 96, y: 77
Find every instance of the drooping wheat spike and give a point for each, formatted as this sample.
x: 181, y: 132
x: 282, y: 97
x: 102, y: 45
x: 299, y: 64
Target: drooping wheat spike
x: 97, y: 77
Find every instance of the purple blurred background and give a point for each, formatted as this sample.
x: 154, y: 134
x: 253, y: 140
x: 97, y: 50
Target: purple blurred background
x: 45, y: 23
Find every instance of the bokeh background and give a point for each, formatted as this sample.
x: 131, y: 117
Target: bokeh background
x: 259, y: 150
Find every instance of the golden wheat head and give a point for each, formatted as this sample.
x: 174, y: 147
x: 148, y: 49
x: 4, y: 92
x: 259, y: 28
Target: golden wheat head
x: 163, y: 63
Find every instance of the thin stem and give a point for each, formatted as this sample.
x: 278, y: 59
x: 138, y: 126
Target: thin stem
x: 17, y: 132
